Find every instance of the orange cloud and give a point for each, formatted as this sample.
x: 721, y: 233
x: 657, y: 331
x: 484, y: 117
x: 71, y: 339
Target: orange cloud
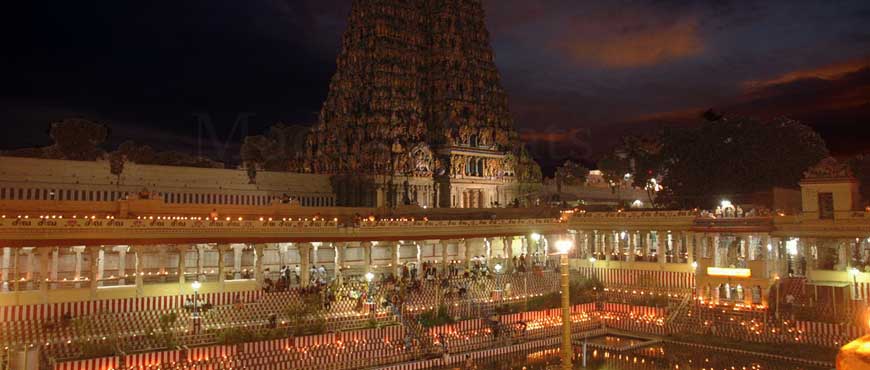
x: 551, y: 137
x: 828, y: 72
x: 634, y: 46
x: 686, y: 115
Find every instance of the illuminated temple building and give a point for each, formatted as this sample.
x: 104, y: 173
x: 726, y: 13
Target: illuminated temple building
x: 81, y: 248
x: 413, y: 162
x: 417, y: 106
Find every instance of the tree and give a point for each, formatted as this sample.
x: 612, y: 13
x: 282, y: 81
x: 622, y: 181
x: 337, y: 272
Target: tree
x: 735, y: 156
x: 276, y: 150
x: 613, y: 169
x: 645, y: 162
x: 139, y: 154
x: 571, y: 174
x: 116, y: 165
x: 860, y: 166
x: 77, y: 139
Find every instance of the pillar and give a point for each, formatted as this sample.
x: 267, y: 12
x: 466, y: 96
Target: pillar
x: 367, y: 256
x: 101, y: 266
x: 315, y: 254
x: 238, y: 249
x: 395, y: 257
x: 4, y: 269
x: 444, y: 244
x: 16, y: 280
x: 691, y: 242
x: 258, y: 264
x: 222, y: 250
x: 419, y: 258
x: 843, y: 256
x: 381, y: 197
x: 163, y: 256
x: 487, y: 255
x: 138, y: 266
x: 607, y: 242
x: 93, y: 271
x: 55, y: 265
x: 122, y: 264
x: 781, y: 266
x: 340, y: 254
x: 77, y: 272
x: 595, y: 236
x: 632, y: 245
x: 617, y: 244
x: 661, y: 247
x: 467, y: 250
x: 282, y: 254
x: 44, y: 261
x: 763, y: 253
x: 509, y: 252
x: 645, y: 244
x: 182, y: 252
x: 304, y: 263
x: 200, y: 261
x: 28, y: 267
x: 714, y: 249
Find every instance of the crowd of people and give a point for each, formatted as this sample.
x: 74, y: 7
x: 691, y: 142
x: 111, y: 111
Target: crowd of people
x: 292, y: 276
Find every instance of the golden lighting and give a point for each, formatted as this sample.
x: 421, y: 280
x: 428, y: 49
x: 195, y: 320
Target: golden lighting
x: 729, y: 272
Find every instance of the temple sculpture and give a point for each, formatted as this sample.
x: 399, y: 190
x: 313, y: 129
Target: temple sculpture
x: 416, y: 105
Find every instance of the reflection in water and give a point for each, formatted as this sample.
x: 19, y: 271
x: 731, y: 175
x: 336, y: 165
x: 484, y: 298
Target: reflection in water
x: 616, y: 341
x: 656, y: 357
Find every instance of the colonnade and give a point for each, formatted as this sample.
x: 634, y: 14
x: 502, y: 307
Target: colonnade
x: 659, y: 246
x: 102, y: 266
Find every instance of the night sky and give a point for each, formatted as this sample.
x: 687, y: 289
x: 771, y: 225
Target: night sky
x: 579, y: 73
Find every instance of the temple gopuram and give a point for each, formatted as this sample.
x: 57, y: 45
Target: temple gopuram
x: 416, y: 114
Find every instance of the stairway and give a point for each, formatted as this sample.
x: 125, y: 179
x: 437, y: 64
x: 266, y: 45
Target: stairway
x: 414, y: 330
x: 681, y: 310
x: 796, y: 287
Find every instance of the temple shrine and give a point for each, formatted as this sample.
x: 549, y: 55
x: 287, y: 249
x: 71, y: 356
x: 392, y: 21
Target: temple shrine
x: 417, y: 107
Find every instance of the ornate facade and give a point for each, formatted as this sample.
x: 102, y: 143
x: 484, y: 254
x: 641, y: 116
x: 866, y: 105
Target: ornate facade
x: 417, y: 96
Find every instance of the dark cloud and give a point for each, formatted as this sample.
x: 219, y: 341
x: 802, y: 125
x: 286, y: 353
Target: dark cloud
x: 600, y: 68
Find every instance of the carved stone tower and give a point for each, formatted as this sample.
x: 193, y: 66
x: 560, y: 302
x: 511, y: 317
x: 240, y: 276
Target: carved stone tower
x: 417, y: 105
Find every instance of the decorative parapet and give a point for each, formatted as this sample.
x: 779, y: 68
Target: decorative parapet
x: 634, y: 219
x: 829, y: 168
x: 62, y: 232
x: 637, y: 214
x: 734, y: 224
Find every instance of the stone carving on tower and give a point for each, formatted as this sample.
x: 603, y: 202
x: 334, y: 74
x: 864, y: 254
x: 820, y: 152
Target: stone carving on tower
x: 417, y: 94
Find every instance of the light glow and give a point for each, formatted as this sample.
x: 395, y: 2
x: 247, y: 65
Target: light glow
x: 564, y: 246
x: 729, y: 272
